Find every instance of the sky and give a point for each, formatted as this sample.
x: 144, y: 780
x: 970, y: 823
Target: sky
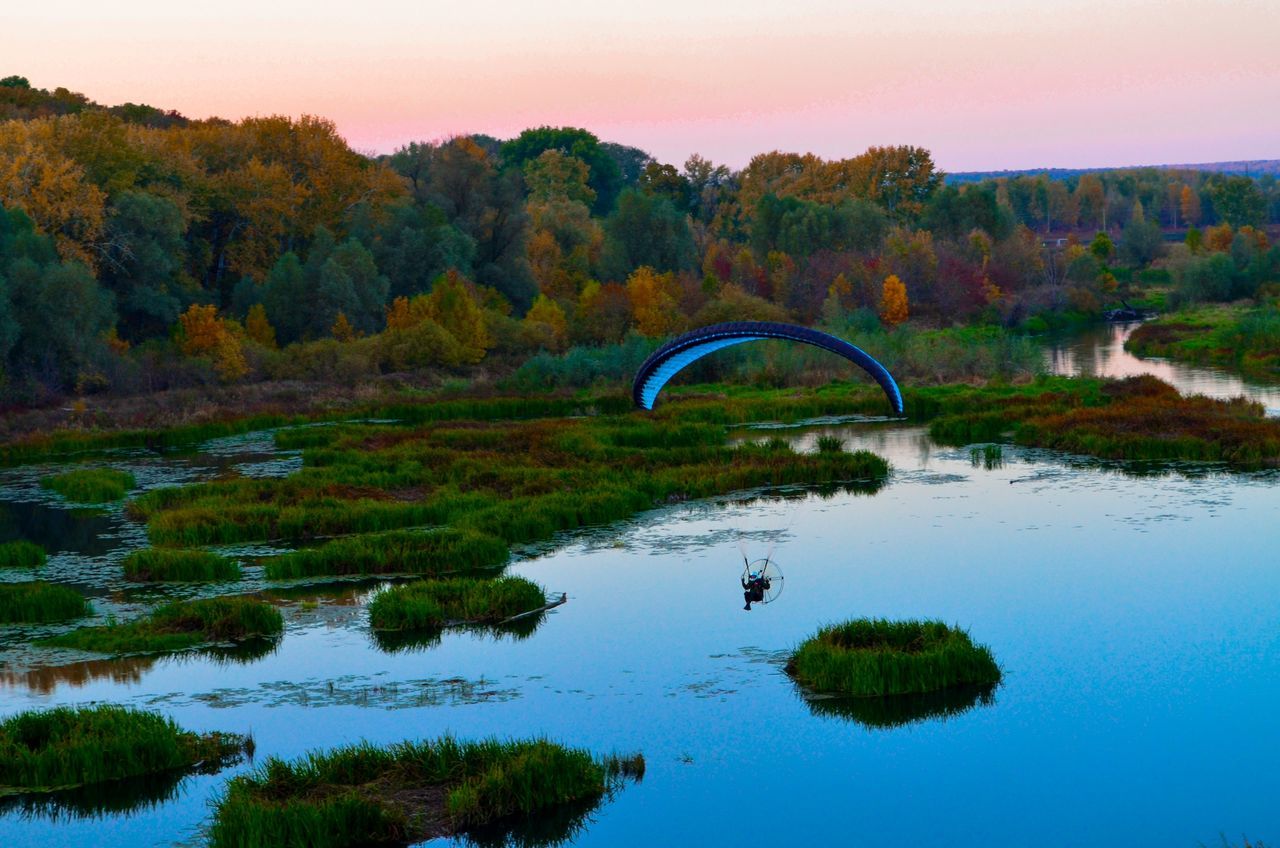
x: 983, y: 85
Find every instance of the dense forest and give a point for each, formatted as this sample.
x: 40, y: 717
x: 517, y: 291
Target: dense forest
x: 141, y: 250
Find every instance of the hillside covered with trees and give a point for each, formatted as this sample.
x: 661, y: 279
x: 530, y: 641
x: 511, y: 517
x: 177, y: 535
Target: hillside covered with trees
x: 141, y: 250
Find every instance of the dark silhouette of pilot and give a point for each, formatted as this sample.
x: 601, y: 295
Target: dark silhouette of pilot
x: 754, y: 585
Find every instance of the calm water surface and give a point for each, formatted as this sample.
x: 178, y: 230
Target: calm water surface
x: 1137, y: 619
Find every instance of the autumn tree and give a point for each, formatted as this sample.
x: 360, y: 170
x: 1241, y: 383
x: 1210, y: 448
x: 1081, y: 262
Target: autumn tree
x: 258, y: 328
x: 653, y: 302
x: 454, y: 306
x: 893, y: 301
x: 544, y: 325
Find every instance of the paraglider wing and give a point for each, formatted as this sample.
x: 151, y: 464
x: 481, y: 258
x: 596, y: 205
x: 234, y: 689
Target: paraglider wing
x: 668, y: 360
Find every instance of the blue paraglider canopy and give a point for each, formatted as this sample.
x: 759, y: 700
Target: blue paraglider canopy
x: 673, y: 356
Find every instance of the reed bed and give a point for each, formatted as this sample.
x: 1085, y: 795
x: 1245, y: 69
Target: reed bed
x: 435, y: 553
x: 91, y: 485
x: 409, y: 792
x: 38, y: 602
x: 65, y: 747
x: 518, y: 481
x: 1138, y: 418
x: 435, y: 604
x: 21, y: 554
x: 874, y: 657
x: 178, y: 626
x: 171, y: 565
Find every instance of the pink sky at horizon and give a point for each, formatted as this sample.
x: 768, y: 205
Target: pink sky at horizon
x: 983, y: 85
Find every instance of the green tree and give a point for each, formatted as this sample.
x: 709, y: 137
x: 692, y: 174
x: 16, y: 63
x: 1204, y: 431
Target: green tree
x: 605, y: 175
x: 646, y: 230
x: 1237, y: 200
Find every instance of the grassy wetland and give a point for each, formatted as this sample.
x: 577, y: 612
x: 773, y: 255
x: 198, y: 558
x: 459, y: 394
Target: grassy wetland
x: 433, y: 604
x: 21, y: 554
x: 874, y: 658
x: 39, y: 602
x: 91, y: 485
x: 178, y: 626
x: 408, y: 792
x: 64, y: 748
x: 155, y: 565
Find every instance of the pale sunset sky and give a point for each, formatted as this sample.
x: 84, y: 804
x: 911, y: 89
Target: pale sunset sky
x: 984, y: 85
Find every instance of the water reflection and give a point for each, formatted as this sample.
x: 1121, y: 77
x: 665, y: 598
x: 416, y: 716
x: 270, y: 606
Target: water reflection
x: 559, y: 825
x: 408, y: 641
x: 99, y: 800
x: 89, y: 532
x: 898, y: 710
x: 1100, y: 352
x: 47, y: 679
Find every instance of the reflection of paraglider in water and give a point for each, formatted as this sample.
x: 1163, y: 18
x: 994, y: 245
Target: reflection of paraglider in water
x: 761, y: 582
x: 673, y: 356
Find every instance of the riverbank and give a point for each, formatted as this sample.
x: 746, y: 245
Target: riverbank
x: 1241, y: 338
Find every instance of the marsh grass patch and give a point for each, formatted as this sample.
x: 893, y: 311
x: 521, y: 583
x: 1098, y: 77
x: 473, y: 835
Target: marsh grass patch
x: 435, y: 604
x: 21, y: 554
x: 410, y: 792
x: 875, y: 657
x: 178, y: 626
x: 65, y: 747
x: 91, y: 485
x: 38, y: 602
x: 177, y: 565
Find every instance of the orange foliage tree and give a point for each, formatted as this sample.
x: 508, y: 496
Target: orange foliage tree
x: 893, y: 301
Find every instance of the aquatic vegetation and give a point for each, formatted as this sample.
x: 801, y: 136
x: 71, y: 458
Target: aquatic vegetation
x: 177, y: 626
x: 436, y: 553
x: 91, y: 485
x: 1138, y: 418
x: 177, y: 565
x: 409, y: 792
x: 38, y: 602
x: 830, y: 444
x: 433, y: 604
x: 987, y: 456
x: 21, y: 554
x: 45, y: 750
x: 875, y: 657
x: 519, y: 481
x: 1247, y: 340
x: 891, y: 711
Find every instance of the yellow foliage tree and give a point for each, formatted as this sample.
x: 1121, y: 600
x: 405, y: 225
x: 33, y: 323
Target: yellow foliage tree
x: 342, y: 329
x: 258, y: 328
x: 453, y: 306
x: 893, y: 301
x: 653, y: 302
x: 202, y: 333
x: 545, y: 324
x: 1219, y: 238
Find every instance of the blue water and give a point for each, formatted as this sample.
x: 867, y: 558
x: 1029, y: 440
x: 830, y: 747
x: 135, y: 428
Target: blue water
x: 1137, y: 619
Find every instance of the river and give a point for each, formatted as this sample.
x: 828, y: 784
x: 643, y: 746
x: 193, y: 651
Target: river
x: 1137, y: 619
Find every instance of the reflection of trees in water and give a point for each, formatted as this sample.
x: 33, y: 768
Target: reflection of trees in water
x: 405, y: 641
x: 47, y: 678
x: 891, y: 711
x: 129, y: 669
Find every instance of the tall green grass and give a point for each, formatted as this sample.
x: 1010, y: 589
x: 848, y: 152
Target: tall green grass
x: 875, y: 657
x: 177, y: 626
x: 21, y: 554
x: 91, y: 485
x: 152, y: 565
x: 361, y: 795
x: 38, y: 602
x: 435, y: 553
x: 44, y: 750
x: 433, y: 604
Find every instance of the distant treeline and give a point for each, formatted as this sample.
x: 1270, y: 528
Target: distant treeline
x: 141, y: 250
